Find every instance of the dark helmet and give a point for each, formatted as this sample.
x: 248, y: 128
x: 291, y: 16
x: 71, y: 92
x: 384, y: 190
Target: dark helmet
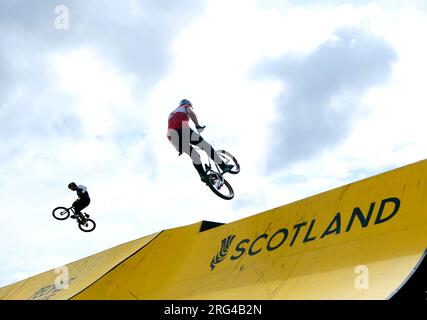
x: 185, y: 102
x: 71, y: 185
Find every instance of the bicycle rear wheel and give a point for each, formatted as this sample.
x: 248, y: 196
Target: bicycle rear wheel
x: 87, y: 225
x: 230, y: 159
x: 220, y: 187
x: 61, y: 213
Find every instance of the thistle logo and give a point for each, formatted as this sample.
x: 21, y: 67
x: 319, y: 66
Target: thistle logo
x: 225, y: 245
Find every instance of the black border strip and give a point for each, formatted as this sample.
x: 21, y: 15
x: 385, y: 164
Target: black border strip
x: 415, y: 284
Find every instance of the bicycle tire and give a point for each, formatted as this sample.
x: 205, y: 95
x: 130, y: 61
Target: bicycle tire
x: 228, y: 156
x: 58, y: 213
x: 88, y: 229
x: 216, y: 191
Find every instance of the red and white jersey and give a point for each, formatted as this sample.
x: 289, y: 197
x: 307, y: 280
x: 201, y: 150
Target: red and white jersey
x: 179, y: 117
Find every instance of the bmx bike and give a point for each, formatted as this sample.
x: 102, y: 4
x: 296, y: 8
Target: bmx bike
x: 85, y: 224
x: 215, y: 176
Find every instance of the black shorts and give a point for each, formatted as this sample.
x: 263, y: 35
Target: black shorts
x: 80, y: 204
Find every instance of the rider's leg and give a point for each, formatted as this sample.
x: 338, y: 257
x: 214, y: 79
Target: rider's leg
x: 180, y: 139
x: 198, y: 140
x: 174, y: 137
x: 85, y: 203
x: 195, y: 157
x: 79, y: 205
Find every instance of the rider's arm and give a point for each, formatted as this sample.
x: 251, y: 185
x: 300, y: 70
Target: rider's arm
x: 82, y: 188
x: 193, y: 116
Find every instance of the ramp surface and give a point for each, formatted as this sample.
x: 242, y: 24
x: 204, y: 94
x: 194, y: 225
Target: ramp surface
x: 75, y: 277
x: 360, y: 241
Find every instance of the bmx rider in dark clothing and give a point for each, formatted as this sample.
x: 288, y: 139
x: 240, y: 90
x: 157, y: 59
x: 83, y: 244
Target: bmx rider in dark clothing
x: 83, y: 200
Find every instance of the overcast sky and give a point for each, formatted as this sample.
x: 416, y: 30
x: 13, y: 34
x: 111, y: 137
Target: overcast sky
x: 308, y: 95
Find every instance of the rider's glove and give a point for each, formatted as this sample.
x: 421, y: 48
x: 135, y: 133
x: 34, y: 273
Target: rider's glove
x: 200, y: 128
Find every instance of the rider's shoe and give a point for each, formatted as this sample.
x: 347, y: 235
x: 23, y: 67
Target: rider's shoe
x: 86, y: 215
x: 225, y: 167
x: 77, y: 215
x: 204, y: 179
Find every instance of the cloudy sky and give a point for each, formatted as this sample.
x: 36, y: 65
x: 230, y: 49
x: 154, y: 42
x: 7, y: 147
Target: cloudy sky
x: 308, y: 95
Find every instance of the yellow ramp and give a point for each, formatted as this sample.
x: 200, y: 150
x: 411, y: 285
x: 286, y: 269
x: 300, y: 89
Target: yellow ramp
x: 359, y: 241
x: 66, y: 281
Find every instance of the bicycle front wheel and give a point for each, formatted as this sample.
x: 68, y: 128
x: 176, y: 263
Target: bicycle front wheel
x: 61, y: 213
x: 228, y: 158
x: 220, y: 187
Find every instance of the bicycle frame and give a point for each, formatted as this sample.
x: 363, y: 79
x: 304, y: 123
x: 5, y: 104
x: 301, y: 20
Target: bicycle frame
x: 80, y: 217
x: 208, y: 166
x: 85, y: 224
x: 211, y: 172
